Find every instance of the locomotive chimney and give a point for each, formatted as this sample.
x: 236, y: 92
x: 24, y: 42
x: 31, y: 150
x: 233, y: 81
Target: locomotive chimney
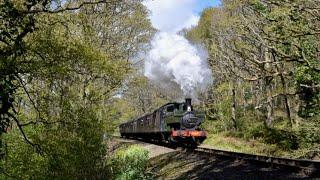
x: 188, y: 103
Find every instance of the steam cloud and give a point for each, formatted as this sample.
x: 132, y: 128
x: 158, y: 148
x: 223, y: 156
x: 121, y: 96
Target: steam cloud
x: 172, y: 57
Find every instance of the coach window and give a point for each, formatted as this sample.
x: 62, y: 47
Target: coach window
x: 170, y: 108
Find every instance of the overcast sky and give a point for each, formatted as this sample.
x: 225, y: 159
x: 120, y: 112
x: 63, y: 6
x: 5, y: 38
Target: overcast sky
x: 173, y: 15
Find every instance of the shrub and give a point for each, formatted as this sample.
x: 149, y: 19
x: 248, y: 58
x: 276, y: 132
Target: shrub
x: 284, y: 139
x: 74, y: 150
x: 309, y: 132
x: 129, y: 163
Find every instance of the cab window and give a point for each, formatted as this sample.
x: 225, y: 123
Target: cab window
x: 184, y: 107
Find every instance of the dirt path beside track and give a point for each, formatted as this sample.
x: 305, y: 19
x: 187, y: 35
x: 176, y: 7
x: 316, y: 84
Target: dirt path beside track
x: 154, y: 150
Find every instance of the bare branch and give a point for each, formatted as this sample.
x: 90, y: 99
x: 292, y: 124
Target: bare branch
x: 67, y: 8
x: 26, y: 139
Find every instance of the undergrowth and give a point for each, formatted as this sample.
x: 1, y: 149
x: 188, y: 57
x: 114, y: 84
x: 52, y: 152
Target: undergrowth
x: 252, y: 136
x: 130, y: 163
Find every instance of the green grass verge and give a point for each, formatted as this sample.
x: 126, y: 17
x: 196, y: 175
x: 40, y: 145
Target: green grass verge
x: 225, y: 142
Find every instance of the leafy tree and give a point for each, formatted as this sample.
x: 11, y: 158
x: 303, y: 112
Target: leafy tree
x: 59, y: 70
x: 265, y: 55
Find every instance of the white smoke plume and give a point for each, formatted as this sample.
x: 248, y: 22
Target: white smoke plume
x: 172, y: 57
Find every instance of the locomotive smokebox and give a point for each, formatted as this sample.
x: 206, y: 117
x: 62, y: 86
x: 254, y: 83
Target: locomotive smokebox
x: 188, y: 103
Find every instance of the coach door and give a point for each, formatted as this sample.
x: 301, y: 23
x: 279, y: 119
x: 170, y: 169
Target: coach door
x: 157, y: 120
x: 154, y: 117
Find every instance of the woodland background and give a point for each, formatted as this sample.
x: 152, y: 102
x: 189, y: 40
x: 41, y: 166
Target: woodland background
x: 264, y: 56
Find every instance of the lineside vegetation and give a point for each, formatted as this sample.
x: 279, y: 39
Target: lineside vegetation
x: 264, y: 56
x: 61, y: 62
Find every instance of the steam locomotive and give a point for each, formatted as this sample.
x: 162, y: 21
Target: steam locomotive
x: 174, y: 123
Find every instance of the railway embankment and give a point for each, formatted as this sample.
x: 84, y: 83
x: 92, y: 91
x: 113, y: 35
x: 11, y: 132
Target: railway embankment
x: 168, y: 163
x: 184, y: 165
x: 228, y: 142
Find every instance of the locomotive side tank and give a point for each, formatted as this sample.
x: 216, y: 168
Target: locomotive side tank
x: 172, y: 122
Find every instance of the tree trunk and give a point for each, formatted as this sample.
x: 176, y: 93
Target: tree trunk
x: 267, y: 85
x: 286, y: 100
x: 295, y: 111
x: 233, y: 108
x: 269, y: 118
x: 280, y: 69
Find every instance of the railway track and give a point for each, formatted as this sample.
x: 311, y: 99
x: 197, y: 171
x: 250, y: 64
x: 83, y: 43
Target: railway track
x: 310, y: 168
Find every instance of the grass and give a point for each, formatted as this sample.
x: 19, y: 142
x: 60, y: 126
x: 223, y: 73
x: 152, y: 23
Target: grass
x: 279, y: 141
x: 225, y: 142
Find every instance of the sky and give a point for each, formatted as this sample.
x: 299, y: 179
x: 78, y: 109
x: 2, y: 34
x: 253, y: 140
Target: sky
x: 201, y: 4
x: 173, y: 15
x: 173, y: 58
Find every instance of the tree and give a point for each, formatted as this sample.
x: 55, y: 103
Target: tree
x: 264, y: 56
x: 59, y: 71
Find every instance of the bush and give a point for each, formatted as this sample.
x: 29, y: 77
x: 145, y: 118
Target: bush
x: 20, y: 160
x: 129, y: 163
x: 284, y: 139
x: 74, y: 150
x: 309, y: 132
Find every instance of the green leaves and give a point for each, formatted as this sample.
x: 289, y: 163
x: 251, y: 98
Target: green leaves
x: 268, y: 52
x: 258, y: 6
x: 130, y: 163
x: 61, y: 69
